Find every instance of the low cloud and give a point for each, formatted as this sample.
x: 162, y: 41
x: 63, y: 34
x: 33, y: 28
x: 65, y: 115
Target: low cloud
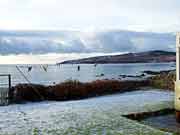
x: 84, y: 42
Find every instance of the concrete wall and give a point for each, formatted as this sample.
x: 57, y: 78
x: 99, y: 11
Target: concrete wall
x: 177, y: 56
x: 177, y: 83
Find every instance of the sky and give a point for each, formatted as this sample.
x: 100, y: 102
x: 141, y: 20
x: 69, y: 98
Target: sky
x: 88, y: 28
x: 138, y: 15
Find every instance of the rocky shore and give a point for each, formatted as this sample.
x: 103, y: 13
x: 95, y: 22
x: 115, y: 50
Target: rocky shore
x: 163, y: 80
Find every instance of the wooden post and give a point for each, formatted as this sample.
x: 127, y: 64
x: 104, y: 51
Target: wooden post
x: 6, y: 92
x: 9, y: 78
x: 10, y: 92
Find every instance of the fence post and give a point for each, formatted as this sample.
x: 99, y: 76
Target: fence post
x: 6, y: 93
x: 9, y: 78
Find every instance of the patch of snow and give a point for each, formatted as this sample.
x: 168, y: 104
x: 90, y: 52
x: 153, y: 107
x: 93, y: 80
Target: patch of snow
x: 89, y: 116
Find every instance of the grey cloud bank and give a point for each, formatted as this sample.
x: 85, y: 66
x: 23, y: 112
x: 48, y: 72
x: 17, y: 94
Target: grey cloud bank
x: 43, y: 42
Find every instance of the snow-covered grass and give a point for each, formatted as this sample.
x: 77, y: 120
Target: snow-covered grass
x: 94, y: 116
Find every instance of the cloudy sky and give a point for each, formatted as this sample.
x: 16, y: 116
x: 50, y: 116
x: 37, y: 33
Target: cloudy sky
x: 85, y: 28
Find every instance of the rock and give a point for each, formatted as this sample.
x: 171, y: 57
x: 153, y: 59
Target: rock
x: 151, y: 72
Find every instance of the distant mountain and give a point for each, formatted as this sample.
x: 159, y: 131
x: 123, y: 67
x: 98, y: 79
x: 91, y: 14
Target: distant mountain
x: 142, y: 57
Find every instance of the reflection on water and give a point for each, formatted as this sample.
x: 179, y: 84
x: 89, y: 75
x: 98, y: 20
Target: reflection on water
x: 88, y: 72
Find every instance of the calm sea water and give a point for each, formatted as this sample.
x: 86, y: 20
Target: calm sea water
x: 88, y: 72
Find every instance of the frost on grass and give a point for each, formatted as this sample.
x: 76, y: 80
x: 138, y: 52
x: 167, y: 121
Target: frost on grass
x: 101, y: 116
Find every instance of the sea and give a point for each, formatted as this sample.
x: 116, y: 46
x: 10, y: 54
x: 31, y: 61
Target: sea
x: 53, y: 74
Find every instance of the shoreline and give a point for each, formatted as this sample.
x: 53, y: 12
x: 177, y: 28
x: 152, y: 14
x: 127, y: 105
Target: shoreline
x: 72, y: 90
x: 75, y: 90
